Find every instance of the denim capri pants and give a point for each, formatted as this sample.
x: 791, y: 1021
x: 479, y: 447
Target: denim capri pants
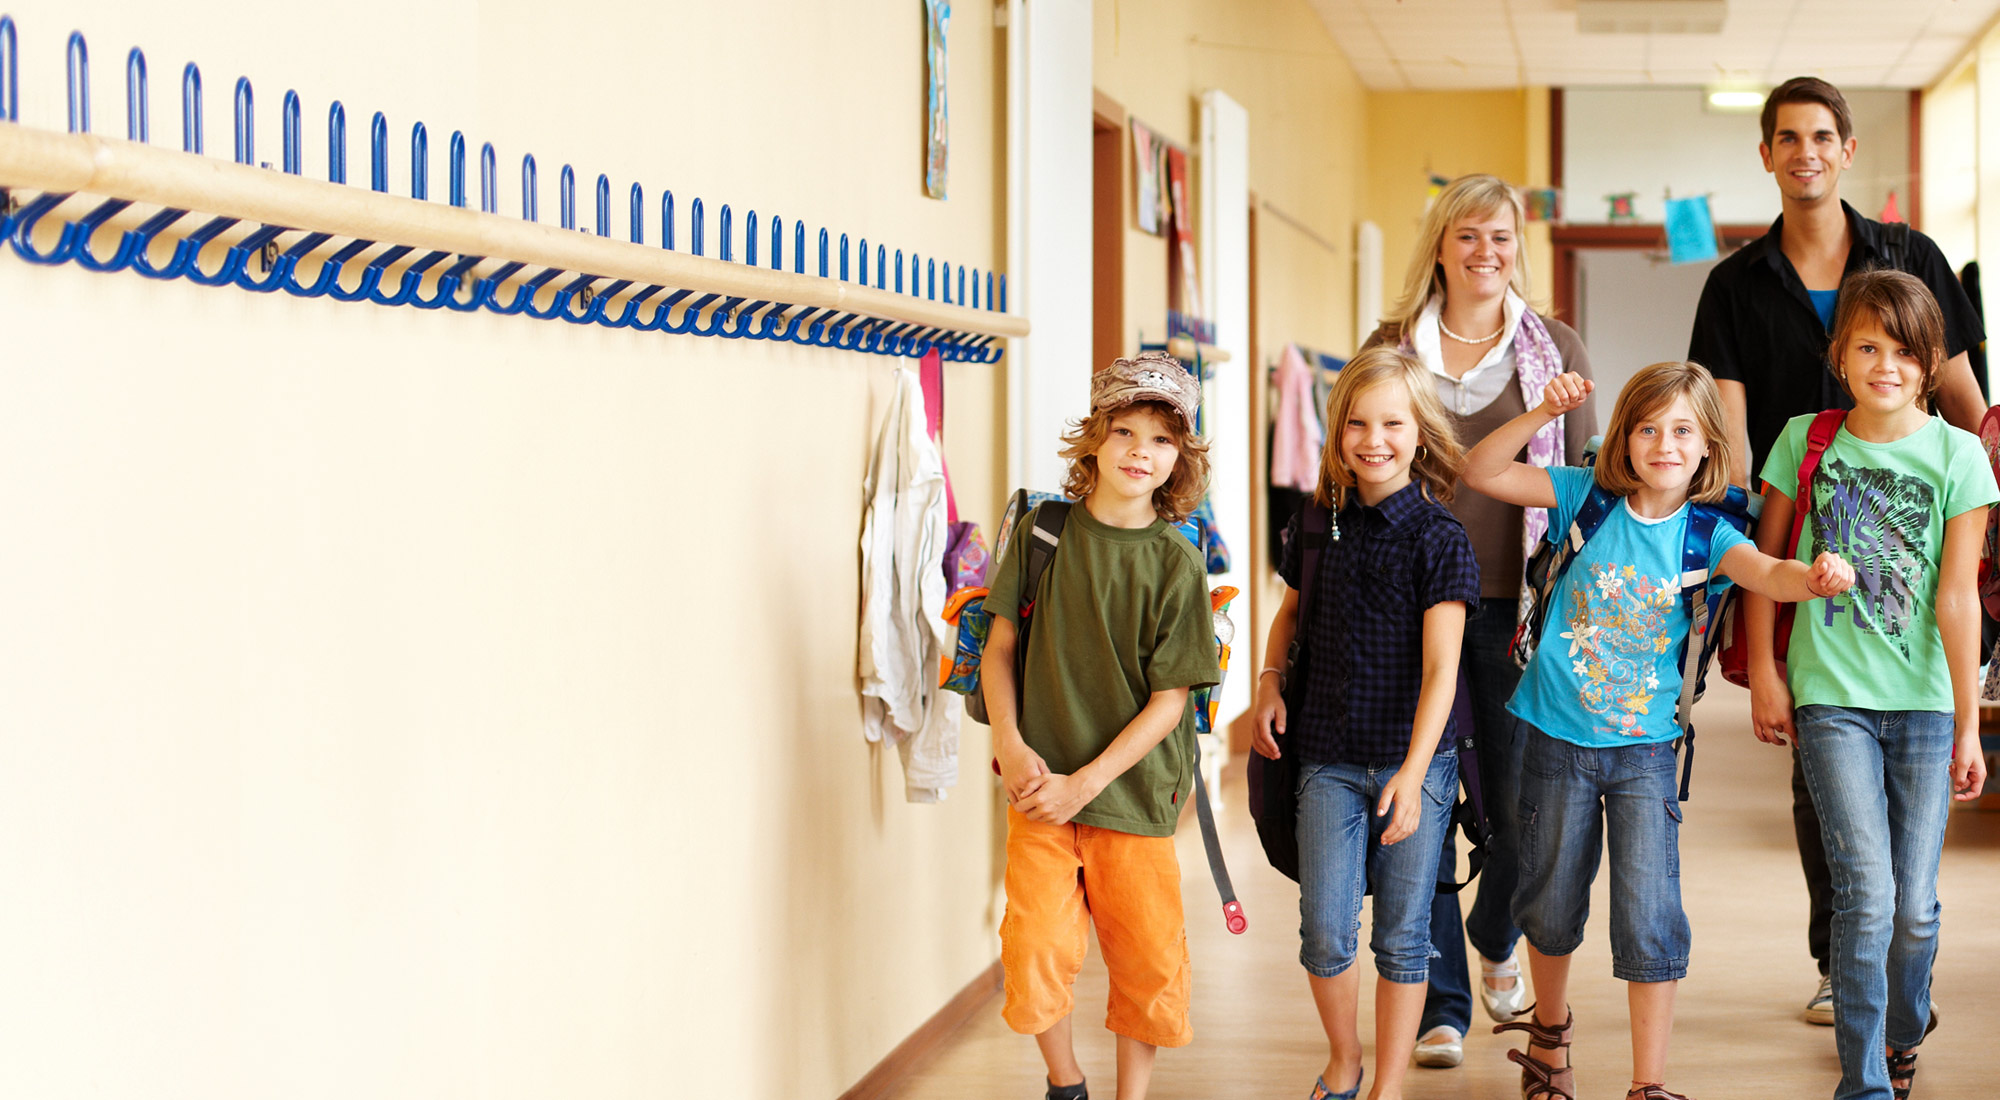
x: 1341, y: 852
x: 1568, y: 794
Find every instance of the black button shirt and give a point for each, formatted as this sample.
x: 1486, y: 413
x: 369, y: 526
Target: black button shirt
x: 1363, y: 651
x: 1756, y: 325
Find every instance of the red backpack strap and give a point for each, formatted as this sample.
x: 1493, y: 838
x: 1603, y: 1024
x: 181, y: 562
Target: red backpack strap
x: 1818, y: 438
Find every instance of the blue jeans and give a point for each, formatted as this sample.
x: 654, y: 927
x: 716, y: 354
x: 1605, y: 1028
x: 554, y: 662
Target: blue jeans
x: 1490, y: 676
x: 1882, y: 783
x: 1571, y: 798
x: 1341, y: 853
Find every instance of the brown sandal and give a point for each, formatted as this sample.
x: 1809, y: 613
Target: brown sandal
x: 1652, y: 1090
x: 1540, y: 1081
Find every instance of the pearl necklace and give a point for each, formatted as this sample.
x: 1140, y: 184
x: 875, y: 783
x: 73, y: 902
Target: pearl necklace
x: 1495, y: 335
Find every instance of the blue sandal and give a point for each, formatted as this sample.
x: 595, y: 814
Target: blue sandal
x: 1321, y: 1092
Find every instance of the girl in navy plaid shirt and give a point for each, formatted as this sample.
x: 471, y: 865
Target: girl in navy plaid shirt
x: 1367, y: 714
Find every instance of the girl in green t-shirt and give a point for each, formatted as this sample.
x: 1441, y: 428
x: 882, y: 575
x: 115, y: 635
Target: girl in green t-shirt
x: 1878, y: 689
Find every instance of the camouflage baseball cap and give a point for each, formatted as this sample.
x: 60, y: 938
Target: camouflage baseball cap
x: 1150, y: 377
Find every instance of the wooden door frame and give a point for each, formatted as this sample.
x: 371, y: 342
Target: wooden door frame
x: 1111, y: 188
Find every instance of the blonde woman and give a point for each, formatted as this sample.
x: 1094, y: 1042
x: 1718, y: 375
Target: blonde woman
x: 1465, y: 314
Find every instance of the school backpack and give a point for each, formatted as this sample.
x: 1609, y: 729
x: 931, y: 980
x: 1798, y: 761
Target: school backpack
x: 1705, y: 607
x: 961, y: 672
x: 1273, y: 784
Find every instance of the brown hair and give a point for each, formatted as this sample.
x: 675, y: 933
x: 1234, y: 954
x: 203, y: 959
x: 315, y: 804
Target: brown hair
x: 1178, y: 496
x: 1807, y: 89
x: 1907, y: 312
x: 1475, y: 196
x: 1436, y: 468
x: 1649, y: 391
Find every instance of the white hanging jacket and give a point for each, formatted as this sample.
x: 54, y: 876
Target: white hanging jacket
x: 903, y: 632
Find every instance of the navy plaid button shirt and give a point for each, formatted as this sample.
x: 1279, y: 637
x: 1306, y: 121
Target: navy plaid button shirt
x: 1363, y: 652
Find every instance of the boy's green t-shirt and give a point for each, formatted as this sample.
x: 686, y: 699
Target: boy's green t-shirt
x: 1883, y: 507
x: 1122, y: 613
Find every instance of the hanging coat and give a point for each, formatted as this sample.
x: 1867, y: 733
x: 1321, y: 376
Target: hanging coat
x: 1296, y: 434
x: 903, y: 632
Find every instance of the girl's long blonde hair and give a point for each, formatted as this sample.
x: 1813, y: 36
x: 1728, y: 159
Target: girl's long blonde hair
x: 1467, y: 197
x: 1649, y: 391
x: 1438, y: 462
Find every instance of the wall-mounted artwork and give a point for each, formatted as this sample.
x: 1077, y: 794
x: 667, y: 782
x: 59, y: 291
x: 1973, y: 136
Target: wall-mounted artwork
x: 1149, y: 162
x: 937, y: 146
x: 1544, y: 204
x: 1184, y: 293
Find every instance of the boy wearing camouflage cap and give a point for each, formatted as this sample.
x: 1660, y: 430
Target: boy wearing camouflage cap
x: 1097, y: 752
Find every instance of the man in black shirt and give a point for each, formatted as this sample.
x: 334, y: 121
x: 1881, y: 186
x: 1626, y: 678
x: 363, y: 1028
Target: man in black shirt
x: 1762, y: 329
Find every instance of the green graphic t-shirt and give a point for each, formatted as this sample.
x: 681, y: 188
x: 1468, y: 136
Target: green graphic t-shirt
x: 1883, y: 507
x: 1122, y: 613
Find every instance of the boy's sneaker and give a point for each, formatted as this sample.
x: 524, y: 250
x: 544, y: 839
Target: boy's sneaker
x: 1442, y: 1047
x: 1819, y: 1010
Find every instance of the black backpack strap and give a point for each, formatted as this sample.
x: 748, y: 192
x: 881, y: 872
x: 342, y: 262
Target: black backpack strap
x: 1050, y: 516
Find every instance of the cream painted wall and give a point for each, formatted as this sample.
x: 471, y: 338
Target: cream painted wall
x: 410, y: 704
x: 1413, y: 135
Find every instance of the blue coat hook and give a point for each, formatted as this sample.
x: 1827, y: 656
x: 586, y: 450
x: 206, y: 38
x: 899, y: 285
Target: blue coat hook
x: 529, y: 202
x: 863, y: 253
x: 293, y: 133
x: 246, y: 123
x: 191, y: 109
x: 138, y: 121
x: 10, y: 72
x: 638, y: 214
x: 799, y: 247
x: 489, y: 180
x: 823, y: 252
x: 750, y: 238
x: 727, y: 254
x: 79, y: 84
x: 695, y: 226
x: 777, y: 243
x: 881, y: 266
x: 420, y: 162
x: 843, y: 258
x: 667, y: 220
x: 566, y: 196
x: 378, y: 153
x: 336, y: 143
x: 457, y: 166
x: 603, y: 205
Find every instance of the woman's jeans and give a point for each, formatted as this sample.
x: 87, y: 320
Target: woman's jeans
x: 1882, y: 783
x: 1341, y: 854
x: 1490, y: 675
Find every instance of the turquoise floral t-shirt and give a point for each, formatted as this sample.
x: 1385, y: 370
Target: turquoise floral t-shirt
x: 1607, y: 670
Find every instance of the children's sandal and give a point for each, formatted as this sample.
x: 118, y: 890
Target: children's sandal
x: 1902, y: 1067
x: 1653, y: 1091
x: 1540, y: 1081
x: 1322, y: 1092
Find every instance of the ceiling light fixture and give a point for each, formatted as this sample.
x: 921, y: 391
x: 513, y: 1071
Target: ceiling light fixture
x: 1733, y: 101
x: 1650, y: 16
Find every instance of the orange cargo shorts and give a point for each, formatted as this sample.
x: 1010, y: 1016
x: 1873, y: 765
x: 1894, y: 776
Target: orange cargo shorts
x: 1060, y: 879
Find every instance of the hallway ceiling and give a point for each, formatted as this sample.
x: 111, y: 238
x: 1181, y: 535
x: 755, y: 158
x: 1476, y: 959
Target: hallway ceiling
x: 1401, y: 45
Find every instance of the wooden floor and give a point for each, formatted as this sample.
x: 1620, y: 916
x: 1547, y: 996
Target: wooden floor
x: 1738, y: 1033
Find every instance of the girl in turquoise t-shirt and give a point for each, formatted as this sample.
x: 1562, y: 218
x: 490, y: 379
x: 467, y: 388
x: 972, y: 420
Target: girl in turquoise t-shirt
x: 1878, y: 691
x: 1598, y: 699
